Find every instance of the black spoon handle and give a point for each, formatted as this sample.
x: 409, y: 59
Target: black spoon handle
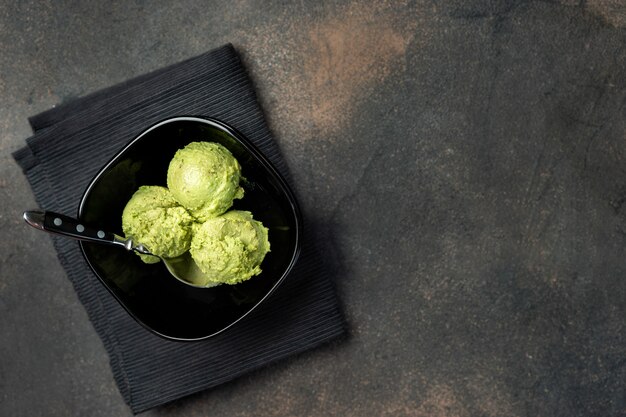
x: 69, y: 227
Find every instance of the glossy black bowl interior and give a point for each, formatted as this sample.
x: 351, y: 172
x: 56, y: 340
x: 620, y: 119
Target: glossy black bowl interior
x: 148, y: 292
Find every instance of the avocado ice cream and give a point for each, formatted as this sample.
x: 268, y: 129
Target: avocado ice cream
x: 154, y: 218
x: 230, y: 248
x: 190, y: 217
x: 204, y: 178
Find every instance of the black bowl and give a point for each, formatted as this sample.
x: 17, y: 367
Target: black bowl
x: 149, y: 293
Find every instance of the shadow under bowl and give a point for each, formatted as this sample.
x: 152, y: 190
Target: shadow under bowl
x: 149, y: 293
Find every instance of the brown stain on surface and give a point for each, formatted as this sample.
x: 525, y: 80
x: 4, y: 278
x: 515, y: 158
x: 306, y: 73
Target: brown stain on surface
x: 349, y: 54
x: 317, y: 71
x: 441, y: 401
x: 613, y: 11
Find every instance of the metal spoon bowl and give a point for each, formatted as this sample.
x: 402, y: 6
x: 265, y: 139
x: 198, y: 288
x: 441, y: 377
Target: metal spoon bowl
x: 183, y: 267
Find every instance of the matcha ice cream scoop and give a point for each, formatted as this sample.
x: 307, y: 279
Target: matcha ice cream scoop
x: 230, y: 248
x: 154, y: 218
x: 204, y: 178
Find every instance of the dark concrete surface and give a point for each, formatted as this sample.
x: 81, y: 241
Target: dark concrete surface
x: 463, y: 160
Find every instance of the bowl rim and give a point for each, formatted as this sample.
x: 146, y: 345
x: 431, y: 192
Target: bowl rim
x: 250, y: 147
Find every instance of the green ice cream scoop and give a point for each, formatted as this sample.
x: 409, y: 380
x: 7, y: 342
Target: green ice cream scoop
x: 230, y: 248
x: 204, y: 178
x: 154, y: 218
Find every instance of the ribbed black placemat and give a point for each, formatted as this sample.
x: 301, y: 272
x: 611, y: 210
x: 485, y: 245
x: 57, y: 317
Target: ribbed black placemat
x: 73, y: 141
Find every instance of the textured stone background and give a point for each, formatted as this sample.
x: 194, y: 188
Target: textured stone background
x: 466, y: 160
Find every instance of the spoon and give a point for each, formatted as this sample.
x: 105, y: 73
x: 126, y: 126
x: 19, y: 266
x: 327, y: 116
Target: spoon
x: 183, y: 267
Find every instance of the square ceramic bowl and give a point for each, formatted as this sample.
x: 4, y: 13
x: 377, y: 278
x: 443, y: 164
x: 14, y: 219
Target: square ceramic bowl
x: 149, y: 293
